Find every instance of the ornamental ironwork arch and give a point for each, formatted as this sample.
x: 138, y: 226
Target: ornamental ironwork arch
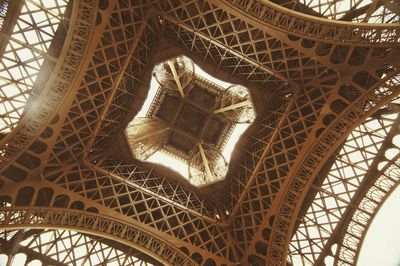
x: 94, y: 224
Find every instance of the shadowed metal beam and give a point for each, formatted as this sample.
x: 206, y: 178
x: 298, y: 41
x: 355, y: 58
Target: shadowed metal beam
x: 393, y: 6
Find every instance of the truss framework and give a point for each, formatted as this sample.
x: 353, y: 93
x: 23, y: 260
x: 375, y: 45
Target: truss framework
x: 18, y: 218
x: 355, y: 166
x: 323, y: 79
x: 62, y: 247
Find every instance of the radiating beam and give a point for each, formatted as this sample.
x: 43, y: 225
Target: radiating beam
x: 205, y: 162
x: 233, y: 106
x: 176, y: 77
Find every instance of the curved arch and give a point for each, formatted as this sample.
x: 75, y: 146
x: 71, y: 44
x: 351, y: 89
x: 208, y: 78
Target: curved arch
x: 27, y: 61
x: 356, y: 165
x: 72, y: 54
x: 350, y: 244
x: 317, y: 28
x: 94, y: 224
x: 297, y: 187
x: 71, y: 246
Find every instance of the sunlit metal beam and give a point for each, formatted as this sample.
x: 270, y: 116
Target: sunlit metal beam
x: 155, y: 133
x: 176, y: 77
x: 205, y: 162
x: 233, y: 106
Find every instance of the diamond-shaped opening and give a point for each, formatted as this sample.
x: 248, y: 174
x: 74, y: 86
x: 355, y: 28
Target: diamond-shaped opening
x: 190, y: 121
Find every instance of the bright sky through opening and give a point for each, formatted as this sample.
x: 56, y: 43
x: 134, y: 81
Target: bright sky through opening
x: 173, y: 163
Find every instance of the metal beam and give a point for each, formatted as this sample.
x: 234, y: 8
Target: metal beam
x: 146, y: 136
x: 31, y: 254
x: 205, y: 162
x: 230, y: 50
x: 372, y: 8
x: 370, y: 177
x: 128, y: 233
x: 393, y: 6
x: 120, y: 76
x: 28, y: 46
x: 42, y: 7
x: 176, y: 77
x: 233, y: 106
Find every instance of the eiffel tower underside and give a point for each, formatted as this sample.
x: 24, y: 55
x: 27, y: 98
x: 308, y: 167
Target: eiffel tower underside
x: 304, y: 181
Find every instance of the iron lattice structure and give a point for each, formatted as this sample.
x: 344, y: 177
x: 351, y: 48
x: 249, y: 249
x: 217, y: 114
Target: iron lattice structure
x: 324, y: 77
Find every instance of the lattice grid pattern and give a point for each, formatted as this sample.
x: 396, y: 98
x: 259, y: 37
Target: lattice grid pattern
x: 25, y: 54
x: 319, y: 79
x: 334, y: 195
x: 71, y: 248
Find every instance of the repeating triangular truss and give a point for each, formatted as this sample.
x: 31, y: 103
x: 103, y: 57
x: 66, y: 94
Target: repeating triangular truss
x: 303, y: 184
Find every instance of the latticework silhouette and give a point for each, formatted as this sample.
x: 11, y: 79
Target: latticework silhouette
x: 303, y: 183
